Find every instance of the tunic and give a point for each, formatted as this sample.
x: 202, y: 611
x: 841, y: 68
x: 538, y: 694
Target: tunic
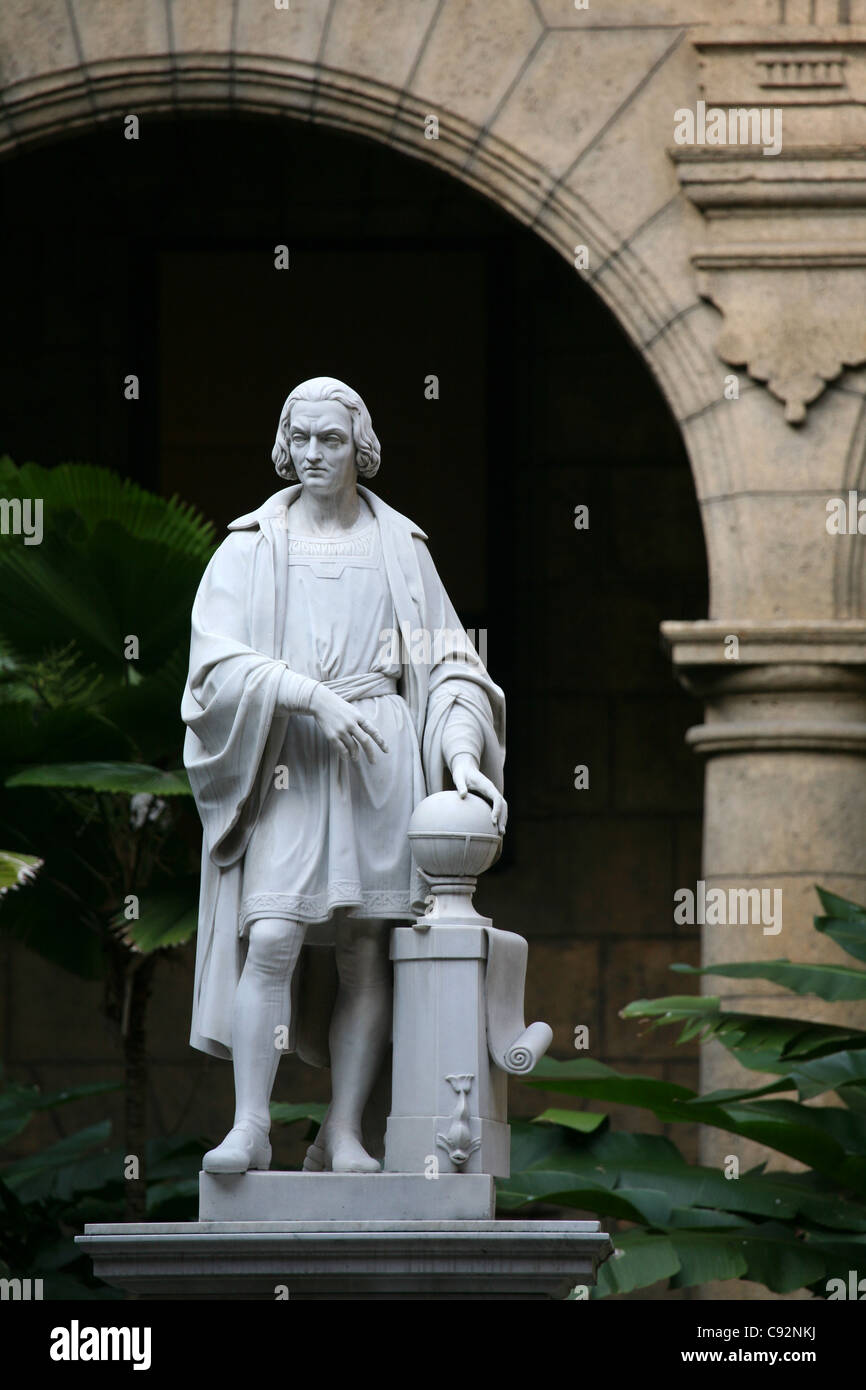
x: 332, y: 833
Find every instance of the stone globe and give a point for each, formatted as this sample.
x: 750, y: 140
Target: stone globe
x: 453, y: 838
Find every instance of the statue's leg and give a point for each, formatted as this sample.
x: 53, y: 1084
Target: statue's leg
x: 260, y: 1013
x: 358, y: 1039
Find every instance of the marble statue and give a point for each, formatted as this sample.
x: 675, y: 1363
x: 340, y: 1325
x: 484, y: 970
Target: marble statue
x: 332, y: 688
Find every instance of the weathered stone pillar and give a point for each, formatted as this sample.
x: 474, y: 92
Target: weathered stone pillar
x: 781, y: 664
x: 784, y: 739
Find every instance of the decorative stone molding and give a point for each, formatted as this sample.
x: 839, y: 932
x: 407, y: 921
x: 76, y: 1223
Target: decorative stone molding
x: 790, y: 686
x: 785, y: 255
x: 790, y: 65
x: 694, y: 646
x: 787, y: 331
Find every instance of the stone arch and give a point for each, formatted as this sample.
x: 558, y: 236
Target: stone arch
x: 150, y: 72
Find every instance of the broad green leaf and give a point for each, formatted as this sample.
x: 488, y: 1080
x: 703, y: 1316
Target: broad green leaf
x: 685, y: 1186
x: 834, y: 906
x: 855, y: 1098
x: 645, y: 1206
x: 761, y: 1042
x: 703, y: 1257
x: 645, y: 1260
x: 805, y: 1139
x: 847, y: 934
x: 830, y: 982
x: 130, y: 779
x: 618, y: 1148
x: 845, y: 1127
x: 98, y: 495
x: 822, y: 1074
x: 17, y: 869
x: 777, y: 1258
x: 585, y: 1121
x: 594, y: 1080
x: 770, y: 1123
x: 56, y: 1160
x: 844, y: 923
x: 705, y: 1218
x: 168, y: 917
x: 19, y: 1103
x: 532, y: 1143
x: 114, y: 560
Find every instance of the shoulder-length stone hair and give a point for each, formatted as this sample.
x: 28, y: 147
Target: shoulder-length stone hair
x: 326, y: 388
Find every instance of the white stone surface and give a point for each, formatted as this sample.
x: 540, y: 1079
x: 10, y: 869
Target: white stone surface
x: 309, y: 1197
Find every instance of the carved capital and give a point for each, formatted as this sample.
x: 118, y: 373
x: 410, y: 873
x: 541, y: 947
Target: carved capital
x: 774, y: 687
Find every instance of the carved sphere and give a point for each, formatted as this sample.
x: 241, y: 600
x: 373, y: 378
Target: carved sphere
x: 453, y: 836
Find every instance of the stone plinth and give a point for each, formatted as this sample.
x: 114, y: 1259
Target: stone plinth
x: 268, y: 1197
x: 357, y: 1260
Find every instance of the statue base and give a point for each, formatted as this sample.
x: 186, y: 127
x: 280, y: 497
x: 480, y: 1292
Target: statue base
x: 269, y: 1197
x: 357, y: 1260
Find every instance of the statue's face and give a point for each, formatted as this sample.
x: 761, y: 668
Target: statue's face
x: 322, y: 446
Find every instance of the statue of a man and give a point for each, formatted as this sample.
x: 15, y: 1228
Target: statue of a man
x: 331, y: 688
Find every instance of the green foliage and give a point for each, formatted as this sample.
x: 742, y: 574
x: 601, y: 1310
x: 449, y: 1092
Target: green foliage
x: 169, y: 917
x: 129, y: 779
x: 47, y: 1196
x: 94, y: 643
x: 687, y: 1224
x: 16, y: 869
x: 90, y: 736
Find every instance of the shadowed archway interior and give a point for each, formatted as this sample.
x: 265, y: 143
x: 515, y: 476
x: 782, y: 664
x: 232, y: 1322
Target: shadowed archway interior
x: 505, y: 396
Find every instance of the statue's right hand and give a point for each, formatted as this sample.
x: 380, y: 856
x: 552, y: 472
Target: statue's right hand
x: 346, y: 731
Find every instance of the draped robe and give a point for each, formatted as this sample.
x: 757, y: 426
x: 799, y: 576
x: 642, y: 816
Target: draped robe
x: 236, y: 729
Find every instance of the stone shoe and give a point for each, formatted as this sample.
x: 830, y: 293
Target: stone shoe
x: 245, y: 1146
x: 316, y: 1160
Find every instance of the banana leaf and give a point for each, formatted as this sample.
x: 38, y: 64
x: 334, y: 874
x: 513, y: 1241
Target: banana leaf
x: 830, y: 982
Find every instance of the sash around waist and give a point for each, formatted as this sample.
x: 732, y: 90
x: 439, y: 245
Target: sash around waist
x: 363, y: 686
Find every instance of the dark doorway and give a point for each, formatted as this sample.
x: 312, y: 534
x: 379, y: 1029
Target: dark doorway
x: 156, y: 258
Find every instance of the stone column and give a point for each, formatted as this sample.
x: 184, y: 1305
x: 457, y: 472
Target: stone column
x: 784, y: 739
x: 778, y: 249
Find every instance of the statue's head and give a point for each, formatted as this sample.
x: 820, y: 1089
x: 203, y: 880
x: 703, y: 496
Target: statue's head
x: 327, y: 388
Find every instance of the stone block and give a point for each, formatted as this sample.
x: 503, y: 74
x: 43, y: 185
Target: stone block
x: 472, y: 57
x: 380, y: 39
x: 35, y: 40
x: 552, y: 120
x: 314, y: 1197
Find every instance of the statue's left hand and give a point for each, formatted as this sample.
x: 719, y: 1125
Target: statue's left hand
x: 468, y: 777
